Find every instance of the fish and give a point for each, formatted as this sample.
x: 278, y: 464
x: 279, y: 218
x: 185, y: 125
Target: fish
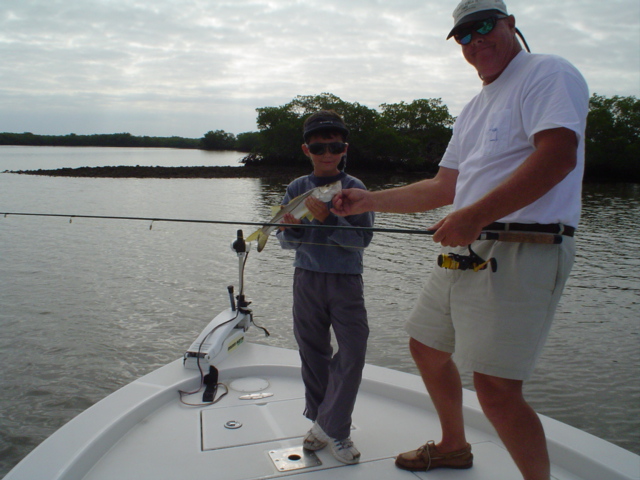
x: 297, y: 208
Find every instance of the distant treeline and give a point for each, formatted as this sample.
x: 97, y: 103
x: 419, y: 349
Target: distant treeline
x: 99, y: 140
x: 401, y: 137
x: 613, y: 139
x: 413, y: 136
x: 213, y: 140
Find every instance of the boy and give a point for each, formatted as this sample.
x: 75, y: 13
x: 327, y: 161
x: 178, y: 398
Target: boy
x: 328, y: 291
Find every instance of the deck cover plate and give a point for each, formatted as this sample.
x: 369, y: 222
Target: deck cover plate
x: 296, y: 458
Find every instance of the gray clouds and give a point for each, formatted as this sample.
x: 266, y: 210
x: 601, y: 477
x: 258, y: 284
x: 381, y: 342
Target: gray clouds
x: 183, y: 67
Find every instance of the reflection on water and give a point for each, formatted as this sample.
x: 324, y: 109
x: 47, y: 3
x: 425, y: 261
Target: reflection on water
x: 89, y: 306
x: 15, y: 158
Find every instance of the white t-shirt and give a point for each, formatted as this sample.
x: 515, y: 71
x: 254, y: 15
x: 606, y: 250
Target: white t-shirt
x: 494, y: 134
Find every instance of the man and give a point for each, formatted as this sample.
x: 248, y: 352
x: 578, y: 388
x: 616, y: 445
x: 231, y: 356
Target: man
x: 515, y: 162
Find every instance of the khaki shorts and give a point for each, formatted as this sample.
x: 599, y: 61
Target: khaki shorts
x: 494, y: 323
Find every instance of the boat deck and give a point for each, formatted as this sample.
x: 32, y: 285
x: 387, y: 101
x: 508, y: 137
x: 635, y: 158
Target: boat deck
x: 143, y: 431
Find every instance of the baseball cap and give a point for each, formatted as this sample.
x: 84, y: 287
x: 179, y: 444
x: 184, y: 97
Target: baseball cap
x: 472, y: 10
x: 321, y: 121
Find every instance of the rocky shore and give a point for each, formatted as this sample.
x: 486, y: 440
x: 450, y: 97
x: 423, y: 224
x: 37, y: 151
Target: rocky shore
x: 282, y: 174
x: 170, y: 172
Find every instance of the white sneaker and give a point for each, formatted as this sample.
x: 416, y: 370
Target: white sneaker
x: 313, y: 443
x: 343, y: 450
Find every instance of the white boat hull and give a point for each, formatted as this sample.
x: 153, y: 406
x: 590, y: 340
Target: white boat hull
x: 143, y: 431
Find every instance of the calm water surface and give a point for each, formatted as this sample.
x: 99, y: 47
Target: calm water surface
x: 34, y: 158
x: 86, y: 307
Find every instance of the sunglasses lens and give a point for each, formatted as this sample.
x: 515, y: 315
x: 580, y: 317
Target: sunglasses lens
x: 463, y: 40
x: 321, y: 148
x: 336, y: 147
x: 316, y: 148
x: 483, y: 27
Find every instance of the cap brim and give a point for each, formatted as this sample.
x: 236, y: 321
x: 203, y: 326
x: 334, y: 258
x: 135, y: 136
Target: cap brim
x: 326, y: 126
x: 474, y: 17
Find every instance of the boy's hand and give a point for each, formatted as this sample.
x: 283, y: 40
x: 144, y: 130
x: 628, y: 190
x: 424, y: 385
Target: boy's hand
x: 289, y: 218
x: 317, y: 208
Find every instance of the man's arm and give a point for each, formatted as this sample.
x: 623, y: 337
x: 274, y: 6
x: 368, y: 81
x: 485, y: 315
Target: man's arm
x: 416, y: 197
x: 554, y: 158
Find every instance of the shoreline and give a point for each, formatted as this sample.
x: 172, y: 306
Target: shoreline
x: 253, y: 171
x: 242, y: 171
x: 124, y: 171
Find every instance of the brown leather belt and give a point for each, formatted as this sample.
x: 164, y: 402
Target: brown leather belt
x: 555, y: 228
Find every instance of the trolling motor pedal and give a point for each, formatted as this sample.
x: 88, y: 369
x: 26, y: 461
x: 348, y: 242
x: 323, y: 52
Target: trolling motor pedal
x: 211, y: 382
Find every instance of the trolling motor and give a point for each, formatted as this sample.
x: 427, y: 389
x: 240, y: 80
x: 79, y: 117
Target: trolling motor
x: 225, y: 332
x: 473, y: 261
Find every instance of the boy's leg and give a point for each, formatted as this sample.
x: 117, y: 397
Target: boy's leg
x: 311, y: 327
x: 350, y: 326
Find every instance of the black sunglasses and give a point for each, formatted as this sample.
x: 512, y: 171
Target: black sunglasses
x: 483, y: 27
x: 321, y: 148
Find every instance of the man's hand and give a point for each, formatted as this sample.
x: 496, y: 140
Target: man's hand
x: 458, y: 229
x: 351, y: 202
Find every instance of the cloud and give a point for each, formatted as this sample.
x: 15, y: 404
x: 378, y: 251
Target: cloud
x: 184, y: 67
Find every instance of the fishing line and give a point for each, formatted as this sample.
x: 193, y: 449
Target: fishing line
x: 355, y: 247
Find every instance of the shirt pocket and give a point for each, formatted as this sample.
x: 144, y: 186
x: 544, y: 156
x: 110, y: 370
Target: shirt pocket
x: 497, y: 132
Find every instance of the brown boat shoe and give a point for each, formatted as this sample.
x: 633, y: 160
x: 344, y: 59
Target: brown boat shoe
x: 427, y: 457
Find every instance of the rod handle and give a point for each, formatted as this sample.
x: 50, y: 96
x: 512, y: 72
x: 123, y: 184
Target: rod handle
x: 522, y: 237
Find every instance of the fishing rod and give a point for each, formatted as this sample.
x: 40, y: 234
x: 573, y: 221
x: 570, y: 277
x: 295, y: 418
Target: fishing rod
x: 522, y: 237
x: 229, y: 222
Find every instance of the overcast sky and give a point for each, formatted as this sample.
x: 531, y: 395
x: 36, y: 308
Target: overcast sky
x: 184, y: 67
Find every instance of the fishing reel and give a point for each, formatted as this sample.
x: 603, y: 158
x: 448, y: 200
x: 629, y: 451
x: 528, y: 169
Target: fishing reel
x: 473, y: 261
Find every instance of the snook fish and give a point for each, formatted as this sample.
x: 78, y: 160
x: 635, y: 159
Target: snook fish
x: 297, y: 208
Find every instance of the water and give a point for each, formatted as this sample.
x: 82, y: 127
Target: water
x: 86, y: 307
x: 16, y: 158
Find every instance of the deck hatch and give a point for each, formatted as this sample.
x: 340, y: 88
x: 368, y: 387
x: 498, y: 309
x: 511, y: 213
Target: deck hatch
x: 261, y: 423
x: 287, y: 459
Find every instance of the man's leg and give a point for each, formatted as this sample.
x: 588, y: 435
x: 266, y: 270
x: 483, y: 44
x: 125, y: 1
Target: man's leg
x: 442, y: 379
x: 516, y: 422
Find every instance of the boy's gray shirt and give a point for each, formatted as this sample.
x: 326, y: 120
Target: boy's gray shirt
x: 327, y: 250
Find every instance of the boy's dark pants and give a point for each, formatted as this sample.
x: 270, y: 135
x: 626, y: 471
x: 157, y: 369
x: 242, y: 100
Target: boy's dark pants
x: 322, y: 301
